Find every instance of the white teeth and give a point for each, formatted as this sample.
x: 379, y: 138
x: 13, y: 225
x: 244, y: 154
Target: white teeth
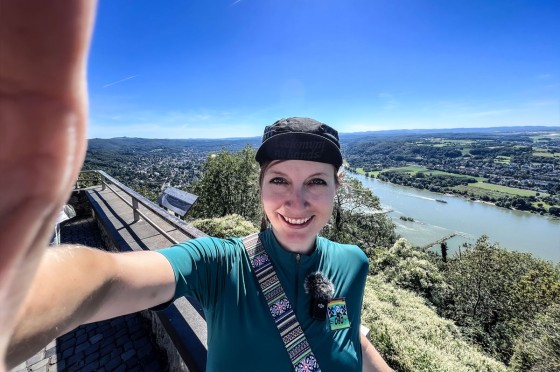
x: 296, y: 221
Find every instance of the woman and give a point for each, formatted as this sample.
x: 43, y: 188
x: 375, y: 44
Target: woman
x: 299, y: 159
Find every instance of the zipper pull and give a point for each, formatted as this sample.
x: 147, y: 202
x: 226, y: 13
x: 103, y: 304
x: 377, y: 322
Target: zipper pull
x: 298, y: 257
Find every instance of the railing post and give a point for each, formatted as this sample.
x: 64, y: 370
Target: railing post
x: 135, y: 209
x: 102, y: 182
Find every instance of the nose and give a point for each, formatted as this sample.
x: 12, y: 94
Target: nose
x: 297, y: 199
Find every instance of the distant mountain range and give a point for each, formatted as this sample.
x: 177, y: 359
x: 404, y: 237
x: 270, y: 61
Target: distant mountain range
x: 235, y: 144
x: 490, y: 130
x: 150, y: 144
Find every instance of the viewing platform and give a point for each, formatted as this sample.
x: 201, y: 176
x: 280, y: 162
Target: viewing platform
x: 113, y: 217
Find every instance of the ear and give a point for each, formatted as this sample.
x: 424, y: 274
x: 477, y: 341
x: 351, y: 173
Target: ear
x: 339, y: 178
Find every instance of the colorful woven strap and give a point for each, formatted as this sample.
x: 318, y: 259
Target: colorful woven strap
x: 292, y: 335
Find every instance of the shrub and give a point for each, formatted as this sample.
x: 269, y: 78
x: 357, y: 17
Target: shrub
x: 232, y: 225
x: 496, y: 293
x: 538, y: 349
x: 412, y: 269
x: 412, y: 337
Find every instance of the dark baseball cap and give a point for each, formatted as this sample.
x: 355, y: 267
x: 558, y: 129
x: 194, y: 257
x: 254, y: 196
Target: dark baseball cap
x: 300, y: 139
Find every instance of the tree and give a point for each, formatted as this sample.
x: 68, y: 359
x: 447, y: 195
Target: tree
x: 229, y: 185
x: 538, y: 348
x: 356, y: 220
x: 555, y: 211
x: 444, y: 251
x: 495, y: 292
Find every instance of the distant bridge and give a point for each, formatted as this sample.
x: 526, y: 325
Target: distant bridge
x: 439, y: 241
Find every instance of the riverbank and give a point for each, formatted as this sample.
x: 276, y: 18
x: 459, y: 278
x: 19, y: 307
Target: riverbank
x: 514, y: 230
x: 463, y: 186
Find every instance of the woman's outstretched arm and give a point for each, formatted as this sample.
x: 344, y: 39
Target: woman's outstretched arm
x: 372, y: 361
x: 77, y: 285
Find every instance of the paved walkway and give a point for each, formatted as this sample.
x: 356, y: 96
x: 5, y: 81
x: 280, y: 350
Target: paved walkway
x: 119, y: 344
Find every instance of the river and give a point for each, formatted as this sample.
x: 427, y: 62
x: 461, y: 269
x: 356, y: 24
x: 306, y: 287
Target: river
x: 514, y: 230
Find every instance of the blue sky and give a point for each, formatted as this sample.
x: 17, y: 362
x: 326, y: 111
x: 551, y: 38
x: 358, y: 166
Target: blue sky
x: 227, y: 68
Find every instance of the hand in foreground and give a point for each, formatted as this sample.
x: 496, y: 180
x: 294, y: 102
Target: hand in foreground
x: 43, y: 113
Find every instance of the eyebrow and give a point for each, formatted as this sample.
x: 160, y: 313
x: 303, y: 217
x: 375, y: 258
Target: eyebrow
x: 312, y: 175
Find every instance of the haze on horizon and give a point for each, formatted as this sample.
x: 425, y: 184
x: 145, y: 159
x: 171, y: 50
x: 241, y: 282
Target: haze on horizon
x: 225, y: 69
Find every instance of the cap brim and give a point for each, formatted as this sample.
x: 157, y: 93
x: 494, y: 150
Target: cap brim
x: 299, y: 146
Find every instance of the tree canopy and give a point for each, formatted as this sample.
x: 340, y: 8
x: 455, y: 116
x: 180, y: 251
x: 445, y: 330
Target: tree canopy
x: 228, y: 185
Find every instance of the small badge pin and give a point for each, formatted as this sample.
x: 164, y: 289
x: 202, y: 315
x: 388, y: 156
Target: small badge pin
x: 338, y: 314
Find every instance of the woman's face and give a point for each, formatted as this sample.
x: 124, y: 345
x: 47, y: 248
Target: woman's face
x: 298, y: 198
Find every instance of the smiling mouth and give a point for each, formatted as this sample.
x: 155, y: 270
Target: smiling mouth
x: 296, y: 221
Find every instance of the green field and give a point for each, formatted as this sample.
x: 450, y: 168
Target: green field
x: 545, y: 137
x: 413, y: 169
x: 480, y: 193
x: 371, y: 174
x: 410, y: 170
x: 454, y: 142
x: 441, y: 173
x: 546, y: 206
x: 546, y: 154
x: 502, y: 189
x: 502, y: 159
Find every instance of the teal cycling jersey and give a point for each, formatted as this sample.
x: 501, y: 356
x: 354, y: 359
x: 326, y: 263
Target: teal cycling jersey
x: 242, y: 335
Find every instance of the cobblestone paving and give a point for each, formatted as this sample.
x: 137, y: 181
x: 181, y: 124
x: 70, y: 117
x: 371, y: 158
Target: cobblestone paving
x: 82, y: 231
x: 119, y: 344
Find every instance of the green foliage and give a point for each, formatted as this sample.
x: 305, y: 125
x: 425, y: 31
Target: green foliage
x: 412, y: 337
x: 538, y: 348
x: 146, y: 192
x: 437, y: 182
x: 496, y: 292
x: 225, y: 227
x: 411, y: 269
x: 229, y: 185
x: 555, y: 211
x: 355, y: 221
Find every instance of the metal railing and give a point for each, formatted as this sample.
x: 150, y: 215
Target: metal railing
x: 183, y: 321
x: 135, y: 201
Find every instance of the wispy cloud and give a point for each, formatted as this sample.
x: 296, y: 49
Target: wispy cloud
x: 389, y: 101
x: 489, y: 113
x: 122, y: 80
x: 544, y: 76
x: 235, y: 2
x: 544, y: 103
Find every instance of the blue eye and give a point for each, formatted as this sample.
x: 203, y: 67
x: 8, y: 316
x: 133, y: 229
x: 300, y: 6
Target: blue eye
x: 278, y: 181
x: 317, y: 181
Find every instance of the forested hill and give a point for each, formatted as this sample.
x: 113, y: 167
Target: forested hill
x: 147, y: 144
x: 344, y: 137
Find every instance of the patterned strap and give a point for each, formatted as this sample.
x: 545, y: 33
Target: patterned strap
x: 292, y: 335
